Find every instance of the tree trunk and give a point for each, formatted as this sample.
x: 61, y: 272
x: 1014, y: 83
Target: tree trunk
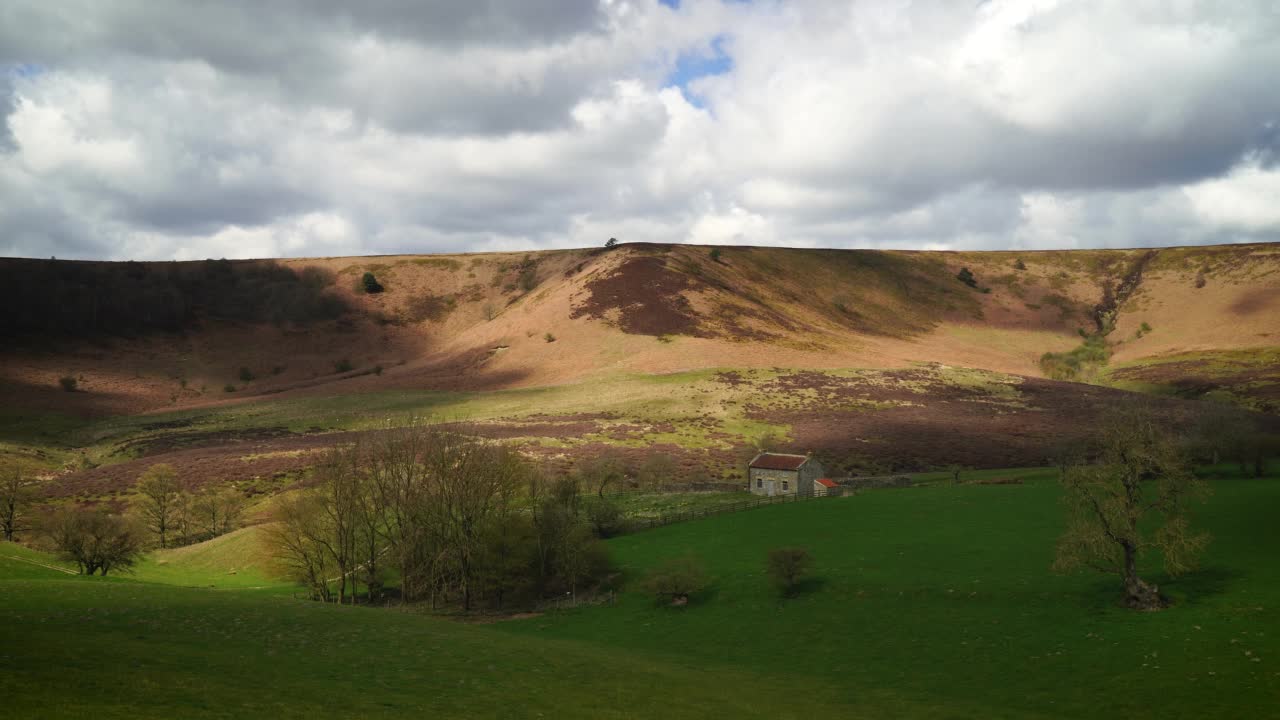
x: 1139, y: 595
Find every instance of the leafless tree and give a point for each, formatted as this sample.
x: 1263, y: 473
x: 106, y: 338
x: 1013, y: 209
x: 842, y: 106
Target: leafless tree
x: 217, y: 511
x: 656, y: 471
x: 602, y: 471
x: 297, y: 542
x: 17, y: 493
x: 96, y: 540
x: 159, y: 497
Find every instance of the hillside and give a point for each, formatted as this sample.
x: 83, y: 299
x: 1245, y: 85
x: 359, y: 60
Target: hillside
x: 875, y: 360
x: 149, y: 336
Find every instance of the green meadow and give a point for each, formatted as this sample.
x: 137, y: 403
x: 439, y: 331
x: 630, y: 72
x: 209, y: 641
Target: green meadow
x: 927, y: 602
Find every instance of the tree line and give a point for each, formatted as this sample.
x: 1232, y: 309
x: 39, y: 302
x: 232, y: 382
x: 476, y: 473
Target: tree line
x: 457, y: 521
x: 100, y: 538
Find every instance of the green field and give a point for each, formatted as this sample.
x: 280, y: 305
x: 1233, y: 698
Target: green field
x: 930, y: 602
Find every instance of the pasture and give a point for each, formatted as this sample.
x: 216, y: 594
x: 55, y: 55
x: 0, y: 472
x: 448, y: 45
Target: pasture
x: 926, y: 602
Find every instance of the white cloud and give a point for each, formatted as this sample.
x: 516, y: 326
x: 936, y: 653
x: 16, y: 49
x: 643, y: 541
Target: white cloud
x: 161, y: 131
x: 1246, y: 199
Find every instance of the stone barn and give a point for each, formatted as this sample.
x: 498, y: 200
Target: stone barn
x: 782, y: 474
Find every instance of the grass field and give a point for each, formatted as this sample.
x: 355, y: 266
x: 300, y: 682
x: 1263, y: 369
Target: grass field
x: 927, y: 602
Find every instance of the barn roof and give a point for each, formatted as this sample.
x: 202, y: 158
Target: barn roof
x: 827, y: 482
x: 779, y: 461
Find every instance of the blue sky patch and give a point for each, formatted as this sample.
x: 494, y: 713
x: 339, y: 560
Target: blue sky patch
x: 692, y: 65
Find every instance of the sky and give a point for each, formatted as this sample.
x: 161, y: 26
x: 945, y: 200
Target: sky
x: 133, y: 129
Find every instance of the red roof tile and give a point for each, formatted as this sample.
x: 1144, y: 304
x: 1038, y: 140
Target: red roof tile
x: 778, y: 461
x: 827, y: 483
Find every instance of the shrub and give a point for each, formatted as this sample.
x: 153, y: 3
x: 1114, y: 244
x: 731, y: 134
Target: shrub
x: 1019, y: 265
x: 245, y: 375
x: 966, y: 276
x: 228, y: 388
x: 277, y: 369
x: 788, y: 568
x: 675, y: 580
x: 715, y: 254
x: 377, y: 369
x: 606, y: 518
x: 549, y: 338
x: 68, y: 383
x: 371, y: 284
x: 528, y: 278
x: 611, y: 243
x: 343, y: 365
x: 1079, y: 361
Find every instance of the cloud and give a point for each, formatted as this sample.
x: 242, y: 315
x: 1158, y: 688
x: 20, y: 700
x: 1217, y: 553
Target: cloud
x: 184, y: 130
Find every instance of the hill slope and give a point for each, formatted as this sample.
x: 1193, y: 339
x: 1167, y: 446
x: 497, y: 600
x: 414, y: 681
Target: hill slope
x: 193, y: 334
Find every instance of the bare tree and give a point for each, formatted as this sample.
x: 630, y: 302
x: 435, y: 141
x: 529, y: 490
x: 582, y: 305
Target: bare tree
x: 296, y: 541
x: 217, y: 511
x: 1132, y: 495
x: 656, y: 471
x: 441, y: 506
x: 94, y: 539
x: 17, y: 492
x: 602, y: 471
x: 159, y: 495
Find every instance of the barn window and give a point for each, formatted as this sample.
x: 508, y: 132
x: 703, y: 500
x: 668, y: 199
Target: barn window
x: 759, y: 482
x: 785, y: 484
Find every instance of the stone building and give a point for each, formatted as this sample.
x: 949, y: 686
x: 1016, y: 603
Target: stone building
x: 782, y: 474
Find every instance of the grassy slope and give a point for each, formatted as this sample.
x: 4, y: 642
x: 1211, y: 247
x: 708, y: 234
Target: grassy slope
x: 929, y: 602
x: 235, y: 560
x: 943, y: 594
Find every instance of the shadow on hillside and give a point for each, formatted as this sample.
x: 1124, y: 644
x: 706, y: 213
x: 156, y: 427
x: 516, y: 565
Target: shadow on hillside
x: 36, y: 402
x: 78, y: 299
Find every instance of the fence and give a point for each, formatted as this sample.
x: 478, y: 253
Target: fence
x: 636, y: 524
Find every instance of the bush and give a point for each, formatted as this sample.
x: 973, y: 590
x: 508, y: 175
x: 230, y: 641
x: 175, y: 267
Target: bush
x: 371, y: 284
x: 228, y: 388
x: 245, y: 375
x: 675, y: 580
x: 788, y: 568
x: 1078, y: 362
x: 715, y: 254
x: 606, y: 518
x: 68, y: 383
x: 549, y: 338
x: 377, y: 369
x: 611, y: 243
x: 528, y: 279
x: 1019, y: 265
x: 343, y: 365
x: 966, y: 276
